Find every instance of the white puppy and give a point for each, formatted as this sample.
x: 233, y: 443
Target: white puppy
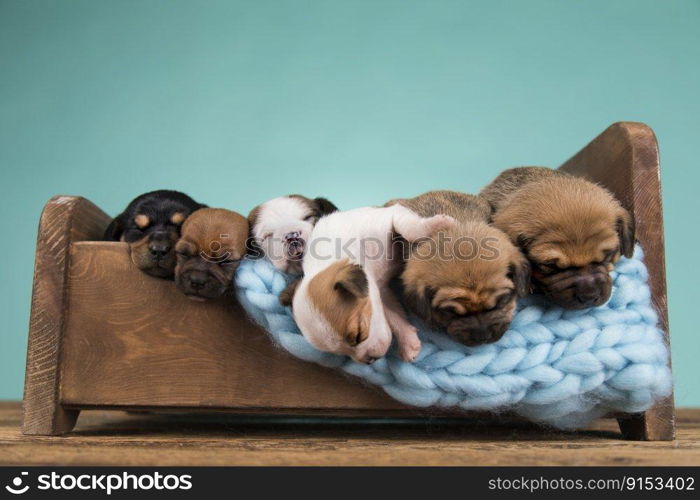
x: 280, y: 228
x: 343, y: 304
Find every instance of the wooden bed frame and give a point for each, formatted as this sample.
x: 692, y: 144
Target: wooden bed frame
x: 94, y: 343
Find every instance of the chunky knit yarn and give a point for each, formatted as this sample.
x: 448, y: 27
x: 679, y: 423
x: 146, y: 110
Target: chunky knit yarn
x: 562, y: 368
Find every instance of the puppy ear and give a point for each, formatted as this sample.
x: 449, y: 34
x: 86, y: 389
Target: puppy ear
x: 352, y: 280
x: 421, y: 301
x: 519, y: 274
x: 287, y: 295
x: 625, y: 231
x: 115, y: 229
x: 324, y: 206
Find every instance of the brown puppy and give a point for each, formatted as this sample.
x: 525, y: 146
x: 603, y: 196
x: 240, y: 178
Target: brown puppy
x: 572, y: 230
x: 466, y: 280
x: 212, y: 244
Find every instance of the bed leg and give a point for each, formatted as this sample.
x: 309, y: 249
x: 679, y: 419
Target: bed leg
x: 52, y: 422
x: 65, y: 219
x: 656, y: 424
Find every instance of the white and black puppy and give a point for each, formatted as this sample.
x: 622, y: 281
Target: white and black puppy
x: 343, y: 304
x: 280, y: 228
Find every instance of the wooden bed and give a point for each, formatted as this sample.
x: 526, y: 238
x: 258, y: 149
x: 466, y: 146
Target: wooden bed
x: 94, y: 343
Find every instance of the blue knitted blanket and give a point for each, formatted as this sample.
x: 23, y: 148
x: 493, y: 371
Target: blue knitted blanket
x: 558, y: 367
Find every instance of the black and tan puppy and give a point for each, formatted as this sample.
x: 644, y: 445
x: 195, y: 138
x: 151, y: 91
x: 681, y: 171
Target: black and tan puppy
x: 572, y: 230
x: 467, y: 279
x: 150, y: 224
x: 212, y: 244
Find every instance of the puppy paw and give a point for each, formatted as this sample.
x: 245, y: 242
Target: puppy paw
x: 409, y: 347
x: 439, y: 222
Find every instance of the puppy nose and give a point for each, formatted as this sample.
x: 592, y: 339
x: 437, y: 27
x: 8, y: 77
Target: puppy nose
x: 197, y: 280
x: 486, y: 333
x: 159, y: 244
x: 197, y: 284
x: 294, y: 235
x: 587, y: 290
x: 158, y: 249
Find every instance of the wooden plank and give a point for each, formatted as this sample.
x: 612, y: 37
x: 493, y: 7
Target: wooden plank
x: 169, y: 352
x: 118, y: 439
x: 625, y: 159
x: 65, y: 219
x: 135, y: 340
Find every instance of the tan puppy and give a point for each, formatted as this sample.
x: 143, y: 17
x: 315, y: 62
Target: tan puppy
x: 212, y: 243
x: 572, y: 230
x: 465, y: 281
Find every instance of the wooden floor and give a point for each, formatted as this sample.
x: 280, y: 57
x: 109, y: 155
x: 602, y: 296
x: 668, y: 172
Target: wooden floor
x: 117, y: 438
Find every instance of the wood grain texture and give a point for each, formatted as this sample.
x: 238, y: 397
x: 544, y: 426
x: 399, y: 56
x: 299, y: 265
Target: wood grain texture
x: 65, y: 219
x: 118, y: 439
x: 140, y: 342
x: 625, y: 159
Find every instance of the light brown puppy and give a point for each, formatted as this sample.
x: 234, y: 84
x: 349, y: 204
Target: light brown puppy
x: 211, y: 246
x: 466, y: 280
x: 571, y: 230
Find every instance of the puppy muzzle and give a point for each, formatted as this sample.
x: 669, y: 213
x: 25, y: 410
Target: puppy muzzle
x: 576, y: 289
x: 154, y: 256
x: 294, y: 245
x: 199, y: 285
x: 478, y: 329
x: 159, y: 246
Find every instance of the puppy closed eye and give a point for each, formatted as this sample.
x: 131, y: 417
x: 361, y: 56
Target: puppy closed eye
x: 228, y: 262
x: 608, y: 256
x: 504, y: 299
x: 452, y: 308
x: 547, y: 267
x: 356, y: 336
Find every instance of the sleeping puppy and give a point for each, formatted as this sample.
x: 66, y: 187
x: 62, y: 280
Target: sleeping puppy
x: 280, y: 228
x: 343, y: 304
x: 466, y: 282
x: 150, y: 224
x: 212, y: 244
x: 573, y: 231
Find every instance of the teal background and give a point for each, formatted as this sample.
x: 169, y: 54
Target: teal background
x: 360, y: 101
